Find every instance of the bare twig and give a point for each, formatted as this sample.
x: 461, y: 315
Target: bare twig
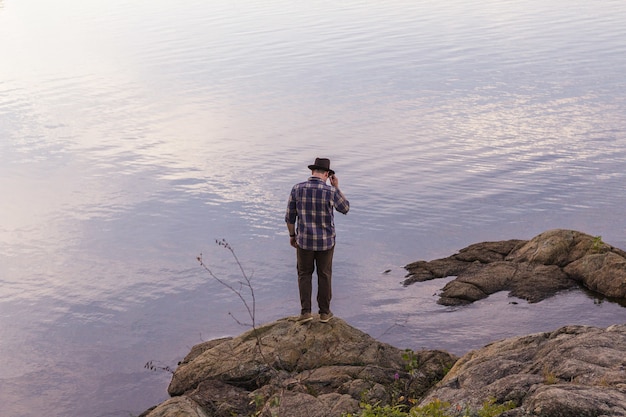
x: 246, y: 285
x: 237, y: 291
x: 152, y: 366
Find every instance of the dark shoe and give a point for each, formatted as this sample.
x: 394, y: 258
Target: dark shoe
x: 325, y: 317
x: 304, y: 318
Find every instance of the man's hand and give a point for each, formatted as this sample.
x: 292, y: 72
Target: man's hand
x: 334, y: 181
x: 292, y: 235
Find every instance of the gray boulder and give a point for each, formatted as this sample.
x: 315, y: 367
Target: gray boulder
x: 533, y: 270
x: 326, y: 370
x: 290, y: 369
x: 574, y: 371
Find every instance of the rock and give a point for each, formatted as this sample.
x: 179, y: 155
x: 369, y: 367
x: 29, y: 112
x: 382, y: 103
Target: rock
x: 604, y: 273
x: 574, y: 371
x: 439, y: 268
x: 488, y: 252
x: 287, y: 346
x: 315, y: 369
x: 296, y: 404
x: 481, y: 253
x: 177, y: 407
x: 533, y: 270
x: 554, y: 247
x: 221, y: 399
x: 327, y: 370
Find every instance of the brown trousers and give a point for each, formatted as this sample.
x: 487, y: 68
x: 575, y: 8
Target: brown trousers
x: 308, y: 261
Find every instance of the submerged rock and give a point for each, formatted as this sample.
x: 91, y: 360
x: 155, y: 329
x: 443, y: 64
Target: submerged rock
x: 533, y: 270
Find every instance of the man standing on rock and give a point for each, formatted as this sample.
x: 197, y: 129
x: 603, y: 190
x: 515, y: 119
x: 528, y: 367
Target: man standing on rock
x: 311, y: 204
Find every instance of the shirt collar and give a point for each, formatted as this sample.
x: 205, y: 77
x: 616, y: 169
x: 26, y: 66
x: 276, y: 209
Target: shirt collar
x: 314, y: 178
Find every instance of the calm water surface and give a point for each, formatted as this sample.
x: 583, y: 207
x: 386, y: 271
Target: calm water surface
x: 134, y: 134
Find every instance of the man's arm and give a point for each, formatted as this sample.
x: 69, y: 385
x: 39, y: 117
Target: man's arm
x: 292, y: 235
x: 290, y: 219
x: 342, y: 205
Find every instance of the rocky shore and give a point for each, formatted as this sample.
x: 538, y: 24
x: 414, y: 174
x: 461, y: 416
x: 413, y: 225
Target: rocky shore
x: 330, y: 369
x: 533, y: 269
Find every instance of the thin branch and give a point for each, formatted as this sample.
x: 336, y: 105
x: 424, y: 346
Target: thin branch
x: 239, y: 293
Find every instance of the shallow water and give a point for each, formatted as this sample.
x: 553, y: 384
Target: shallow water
x: 135, y: 134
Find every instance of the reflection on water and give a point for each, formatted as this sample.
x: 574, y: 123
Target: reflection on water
x: 134, y: 134
x: 418, y: 322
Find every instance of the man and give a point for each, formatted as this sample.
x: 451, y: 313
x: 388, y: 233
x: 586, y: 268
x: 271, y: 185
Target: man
x: 311, y: 204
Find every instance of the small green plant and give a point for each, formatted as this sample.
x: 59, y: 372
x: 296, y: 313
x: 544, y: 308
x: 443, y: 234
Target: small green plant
x: 439, y: 408
x: 258, y: 401
x: 399, y: 390
x: 368, y: 410
x: 263, y: 406
x: 549, y: 377
x: 412, y: 363
x: 436, y: 408
x: 491, y: 409
x: 597, y: 244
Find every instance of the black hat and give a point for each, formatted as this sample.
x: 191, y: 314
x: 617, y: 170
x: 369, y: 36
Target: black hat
x: 322, y: 164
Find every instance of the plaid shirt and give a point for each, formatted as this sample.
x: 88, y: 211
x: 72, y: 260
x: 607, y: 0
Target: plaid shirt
x: 312, y: 203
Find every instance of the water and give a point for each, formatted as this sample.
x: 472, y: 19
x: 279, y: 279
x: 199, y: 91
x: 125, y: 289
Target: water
x: 134, y: 134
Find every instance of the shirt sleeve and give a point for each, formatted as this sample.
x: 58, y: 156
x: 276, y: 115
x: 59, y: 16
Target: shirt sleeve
x: 291, y: 213
x: 342, y: 205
